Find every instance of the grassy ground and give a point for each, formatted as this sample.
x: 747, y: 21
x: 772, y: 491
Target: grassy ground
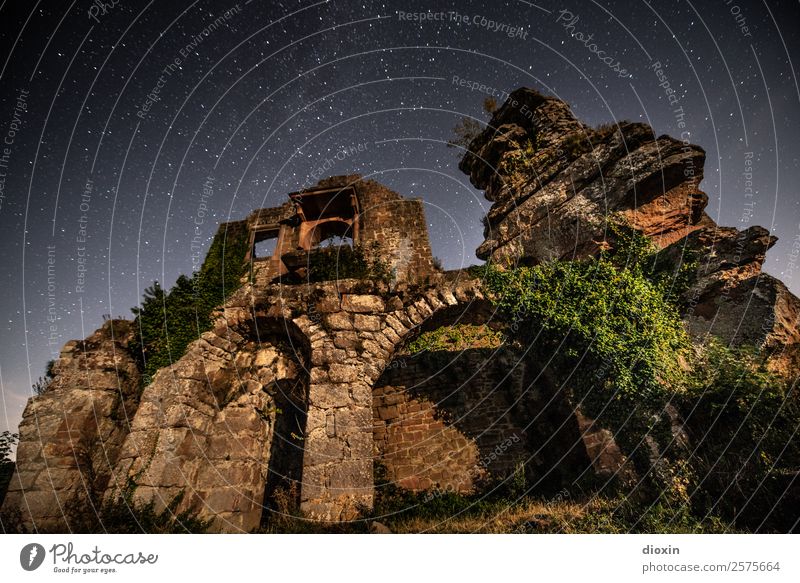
x: 450, y: 513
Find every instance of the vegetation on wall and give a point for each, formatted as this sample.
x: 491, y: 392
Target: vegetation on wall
x: 611, y: 331
x: 455, y: 338
x: 521, y: 159
x: 607, y: 330
x: 167, y: 321
x: 123, y: 515
x: 345, y: 262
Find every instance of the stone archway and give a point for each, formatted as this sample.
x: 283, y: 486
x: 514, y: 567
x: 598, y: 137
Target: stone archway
x: 445, y: 417
x: 354, y: 340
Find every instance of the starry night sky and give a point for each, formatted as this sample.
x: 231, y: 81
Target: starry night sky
x: 102, y: 184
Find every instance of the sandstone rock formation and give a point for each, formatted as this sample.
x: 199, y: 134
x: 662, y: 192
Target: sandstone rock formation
x: 72, y: 434
x: 555, y: 184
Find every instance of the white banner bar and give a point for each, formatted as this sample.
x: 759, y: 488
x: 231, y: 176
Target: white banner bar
x: 362, y: 558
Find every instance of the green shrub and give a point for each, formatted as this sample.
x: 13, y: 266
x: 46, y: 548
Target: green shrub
x: 345, y: 262
x: 7, y: 442
x: 612, y: 335
x: 521, y: 159
x: 167, y: 322
x: 633, y: 250
x: 743, y: 421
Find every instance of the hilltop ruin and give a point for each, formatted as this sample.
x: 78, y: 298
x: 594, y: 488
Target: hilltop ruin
x: 302, y: 385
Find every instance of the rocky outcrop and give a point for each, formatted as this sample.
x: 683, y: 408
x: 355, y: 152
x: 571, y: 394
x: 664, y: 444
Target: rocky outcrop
x: 300, y: 388
x: 555, y: 183
x: 731, y: 298
x: 71, y: 435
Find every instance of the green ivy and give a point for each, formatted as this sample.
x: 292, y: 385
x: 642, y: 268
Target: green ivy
x: 168, y: 321
x: 521, y: 158
x: 345, y: 262
x: 743, y: 421
x: 635, y: 251
x: 612, y: 335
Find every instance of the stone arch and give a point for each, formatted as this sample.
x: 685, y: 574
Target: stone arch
x: 207, y: 425
x: 442, y: 419
x: 457, y: 421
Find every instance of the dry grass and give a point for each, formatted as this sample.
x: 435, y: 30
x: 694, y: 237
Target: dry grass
x: 528, y: 516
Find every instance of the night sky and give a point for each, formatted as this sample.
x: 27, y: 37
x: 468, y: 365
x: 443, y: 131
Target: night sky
x: 113, y: 118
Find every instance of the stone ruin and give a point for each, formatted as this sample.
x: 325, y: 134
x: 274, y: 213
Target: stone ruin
x: 302, y: 389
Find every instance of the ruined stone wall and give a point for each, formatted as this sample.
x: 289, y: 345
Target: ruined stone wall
x: 395, y: 224
x: 449, y: 420
x: 207, y: 426
x: 265, y: 270
x: 71, y: 435
x: 399, y: 227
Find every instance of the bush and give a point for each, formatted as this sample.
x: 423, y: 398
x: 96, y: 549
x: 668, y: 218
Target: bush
x: 743, y: 422
x: 168, y: 321
x: 521, y: 159
x: 345, y: 262
x: 43, y: 383
x: 7, y: 442
x: 612, y: 335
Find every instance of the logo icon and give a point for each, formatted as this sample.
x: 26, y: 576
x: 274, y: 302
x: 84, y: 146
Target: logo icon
x: 31, y: 556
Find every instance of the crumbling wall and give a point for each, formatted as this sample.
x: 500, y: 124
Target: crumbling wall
x: 391, y: 229
x: 71, y: 435
x: 399, y: 228
x: 206, y: 425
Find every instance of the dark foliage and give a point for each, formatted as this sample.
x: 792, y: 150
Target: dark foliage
x: 168, y: 321
x: 7, y: 442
